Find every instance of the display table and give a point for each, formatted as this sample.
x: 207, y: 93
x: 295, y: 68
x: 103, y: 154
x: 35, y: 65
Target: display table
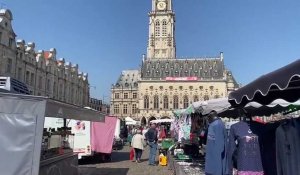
x: 179, y: 167
x: 66, y: 164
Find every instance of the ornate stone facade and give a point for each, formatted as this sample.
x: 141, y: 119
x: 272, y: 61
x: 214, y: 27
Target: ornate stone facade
x: 124, y: 96
x: 165, y: 83
x: 41, y: 71
x: 161, y: 40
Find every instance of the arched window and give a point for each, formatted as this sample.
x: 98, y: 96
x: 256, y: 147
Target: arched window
x: 166, y: 102
x: 157, y: 28
x: 196, y: 98
x: 185, y: 102
x: 164, y: 28
x: 175, y: 102
x: 146, y: 102
x: 156, y: 102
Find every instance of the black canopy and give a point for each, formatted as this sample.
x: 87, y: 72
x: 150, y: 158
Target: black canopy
x: 283, y: 83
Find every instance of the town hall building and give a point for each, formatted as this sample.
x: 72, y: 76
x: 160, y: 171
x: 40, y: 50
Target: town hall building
x: 165, y: 82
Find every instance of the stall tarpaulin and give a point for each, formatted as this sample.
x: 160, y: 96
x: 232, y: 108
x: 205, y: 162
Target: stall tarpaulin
x: 283, y: 83
x: 224, y: 109
x: 256, y: 109
x: 62, y: 110
x: 21, y: 127
x: 103, y: 135
x: 205, y: 107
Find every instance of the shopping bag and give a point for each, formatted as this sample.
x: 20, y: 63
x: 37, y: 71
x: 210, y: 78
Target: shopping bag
x: 131, y: 154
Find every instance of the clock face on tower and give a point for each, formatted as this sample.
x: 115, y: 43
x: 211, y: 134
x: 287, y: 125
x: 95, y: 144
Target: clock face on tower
x: 161, y: 5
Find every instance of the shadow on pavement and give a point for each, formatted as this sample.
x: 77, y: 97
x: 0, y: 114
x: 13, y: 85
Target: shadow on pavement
x: 103, y: 171
x: 120, y: 156
x: 105, y: 158
x: 144, y: 160
x: 95, y: 159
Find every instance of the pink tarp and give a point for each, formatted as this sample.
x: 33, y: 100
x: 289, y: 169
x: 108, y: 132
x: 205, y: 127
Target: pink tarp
x: 103, y: 135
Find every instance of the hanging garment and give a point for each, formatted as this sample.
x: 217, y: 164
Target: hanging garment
x: 267, y: 143
x: 288, y: 148
x: 103, y: 135
x: 215, y: 149
x: 246, y: 145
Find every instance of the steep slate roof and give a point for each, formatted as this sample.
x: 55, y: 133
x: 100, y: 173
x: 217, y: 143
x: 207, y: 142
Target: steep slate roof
x: 203, y: 68
x: 128, y: 79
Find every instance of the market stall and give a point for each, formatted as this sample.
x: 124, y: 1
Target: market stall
x: 278, y: 141
x: 189, y: 164
x: 29, y: 149
x: 283, y: 83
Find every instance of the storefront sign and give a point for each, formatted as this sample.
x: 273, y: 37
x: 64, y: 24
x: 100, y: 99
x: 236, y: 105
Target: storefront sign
x: 181, y: 78
x: 82, y: 137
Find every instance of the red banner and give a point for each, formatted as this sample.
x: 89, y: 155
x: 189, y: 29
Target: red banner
x: 181, y: 78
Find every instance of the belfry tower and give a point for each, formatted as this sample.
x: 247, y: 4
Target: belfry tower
x: 161, y: 42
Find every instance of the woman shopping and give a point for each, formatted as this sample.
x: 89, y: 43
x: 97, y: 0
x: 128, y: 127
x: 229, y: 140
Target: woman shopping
x: 138, y: 144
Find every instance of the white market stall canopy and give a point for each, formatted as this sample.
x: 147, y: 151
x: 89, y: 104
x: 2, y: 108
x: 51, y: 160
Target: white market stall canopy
x: 130, y: 121
x: 21, y: 127
x: 205, y: 107
x: 162, y: 121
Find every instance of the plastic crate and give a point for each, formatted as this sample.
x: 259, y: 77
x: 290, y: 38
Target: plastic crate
x: 183, y: 157
x: 167, y: 143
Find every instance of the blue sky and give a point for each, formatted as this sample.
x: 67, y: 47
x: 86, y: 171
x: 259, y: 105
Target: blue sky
x: 106, y: 37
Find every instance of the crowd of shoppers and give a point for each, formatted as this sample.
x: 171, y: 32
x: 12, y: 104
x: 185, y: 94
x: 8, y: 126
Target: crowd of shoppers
x: 139, y: 138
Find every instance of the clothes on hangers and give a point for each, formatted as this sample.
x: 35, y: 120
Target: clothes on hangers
x: 245, y: 142
x: 215, y: 159
x: 288, y: 147
x: 267, y: 143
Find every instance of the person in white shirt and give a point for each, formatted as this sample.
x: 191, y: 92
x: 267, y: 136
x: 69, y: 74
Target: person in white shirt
x: 138, y: 142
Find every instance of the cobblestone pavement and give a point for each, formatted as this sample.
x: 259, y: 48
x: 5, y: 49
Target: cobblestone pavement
x: 121, y: 165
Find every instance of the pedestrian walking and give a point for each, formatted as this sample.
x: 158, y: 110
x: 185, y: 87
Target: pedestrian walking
x: 151, y: 137
x: 138, y: 142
